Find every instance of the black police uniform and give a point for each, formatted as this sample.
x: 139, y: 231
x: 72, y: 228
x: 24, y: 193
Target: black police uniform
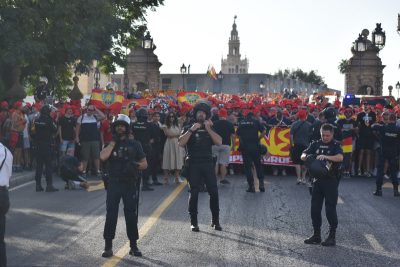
x: 156, y: 152
x: 41, y: 92
x: 389, y: 139
x: 201, y: 171
x: 123, y: 184
x: 248, y: 132
x: 45, y: 128
x: 325, y: 187
x: 144, y: 133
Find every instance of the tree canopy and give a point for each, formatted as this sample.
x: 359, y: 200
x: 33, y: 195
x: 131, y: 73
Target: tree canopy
x: 53, y: 38
x: 298, y: 74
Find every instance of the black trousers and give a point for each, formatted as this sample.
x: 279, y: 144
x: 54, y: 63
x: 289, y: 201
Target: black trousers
x: 393, y: 169
x: 4, y: 206
x: 155, y: 160
x: 324, y: 189
x: 250, y: 157
x: 200, y: 174
x: 44, y: 158
x: 127, y: 191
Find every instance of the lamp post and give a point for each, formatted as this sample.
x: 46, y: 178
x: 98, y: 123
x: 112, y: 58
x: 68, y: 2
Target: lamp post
x: 398, y: 89
x: 220, y: 78
x: 378, y: 37
x: 390, y: 88
x: 183, y: 72
x: 96, y: 77
x: 262, y: 87
x: 147, y: 44
x: 126, y: 83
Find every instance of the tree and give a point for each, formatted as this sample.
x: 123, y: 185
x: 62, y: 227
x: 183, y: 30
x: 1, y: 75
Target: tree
x: 343, y: 65
x: 51, y: 38
x: 298, y: 74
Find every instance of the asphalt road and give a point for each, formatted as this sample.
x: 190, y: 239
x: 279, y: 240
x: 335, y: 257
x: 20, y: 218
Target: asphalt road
x: 262, y: 229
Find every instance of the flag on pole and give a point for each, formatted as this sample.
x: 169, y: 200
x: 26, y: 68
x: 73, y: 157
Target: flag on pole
x: 211, y: 72
x: 107, y: 99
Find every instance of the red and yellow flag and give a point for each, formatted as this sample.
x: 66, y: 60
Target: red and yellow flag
x: 347, y: 145
x: 107, y: 99
x: 128, y: 104
x: 191, y: 97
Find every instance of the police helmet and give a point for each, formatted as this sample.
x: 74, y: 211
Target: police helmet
x: 317, y: 168
x: 45, y: 110
x: 329, y: 113
x: 142, y: 114
x: 121, y: 119
x: 203, y: 106
x: 43, y: 80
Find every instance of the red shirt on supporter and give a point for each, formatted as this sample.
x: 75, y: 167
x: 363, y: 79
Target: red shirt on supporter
x: 106, y: 131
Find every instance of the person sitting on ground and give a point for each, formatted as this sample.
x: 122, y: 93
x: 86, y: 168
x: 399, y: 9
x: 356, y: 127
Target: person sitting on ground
x: 70, y: 170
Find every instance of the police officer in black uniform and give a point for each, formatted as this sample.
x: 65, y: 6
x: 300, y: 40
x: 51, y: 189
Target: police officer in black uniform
x: 42, y: 91
x: 45, y: 128
x: 389, y: 138
x: 199, y: 137
x: 125, y: 158
x: 323, y: 160
x: 250, y: 131
x: 143, y: 132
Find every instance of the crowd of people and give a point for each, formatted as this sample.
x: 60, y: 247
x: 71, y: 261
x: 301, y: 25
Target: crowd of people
x: 82, y: 132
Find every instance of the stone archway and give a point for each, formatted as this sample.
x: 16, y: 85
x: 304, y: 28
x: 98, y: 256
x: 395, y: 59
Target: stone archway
x: 366, y: 90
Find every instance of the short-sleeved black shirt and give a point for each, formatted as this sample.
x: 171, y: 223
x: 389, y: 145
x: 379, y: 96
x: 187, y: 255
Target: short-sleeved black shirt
x: 248, y: 132
x: 67, y: 128
x: 224, y: 129
x: 389, y: 138
x: 199, y: 146
x: 143, y: 132
x: 320, y: 148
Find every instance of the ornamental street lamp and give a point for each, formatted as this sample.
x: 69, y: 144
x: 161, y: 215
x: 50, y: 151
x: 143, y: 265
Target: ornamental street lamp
x: 390, y: 88
x: 97, y: 77
x: 360, y: 45
x: 398, y: 89
x: 126, y: 83
x: 147, y: 44
x: 220, y: 77
x: 183, y: 72
x: 378, y: 37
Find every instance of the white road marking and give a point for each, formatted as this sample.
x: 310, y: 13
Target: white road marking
x: 340, y: 200
x: 22, y: 185
x: 374, y: 243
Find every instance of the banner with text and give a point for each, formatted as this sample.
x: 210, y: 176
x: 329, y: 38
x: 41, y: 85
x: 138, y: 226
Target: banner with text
x: 278, y: 144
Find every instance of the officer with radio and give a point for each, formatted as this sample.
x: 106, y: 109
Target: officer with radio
x: 323, y: 159
x: 125, y: 158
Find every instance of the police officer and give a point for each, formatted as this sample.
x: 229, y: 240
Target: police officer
x: 199, y: 137
x: 325, y: 185
x: 389, y: 139
x: 250, y: 131
x: 45, y: 128
x: 143, y: 132
x: 42, y: 91
x: 125, y: 157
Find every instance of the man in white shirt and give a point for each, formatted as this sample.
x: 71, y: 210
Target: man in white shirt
x: 6, y: 161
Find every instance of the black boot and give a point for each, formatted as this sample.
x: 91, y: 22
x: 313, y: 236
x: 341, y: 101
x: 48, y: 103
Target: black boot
x: 396, y: 190
x: 331, y: 239
x: 215, y: 224
x: 378, y: 191
x: 39, y: 187
x: 194, y: 225
x: 107, y: 253
x: 315, y: 238
x: 251, y: 189
x: 261, y: 187
x: 135, y: 250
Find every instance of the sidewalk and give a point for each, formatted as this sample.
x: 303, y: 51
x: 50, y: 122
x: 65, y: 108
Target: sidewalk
x: 21, y: 178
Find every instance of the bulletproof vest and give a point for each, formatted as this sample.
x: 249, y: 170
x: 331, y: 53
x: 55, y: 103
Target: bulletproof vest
x: 390, y: 140
x: 199, y: 146
x: 248, y: 132
x: 124, y: 152
x: 328, y: 149
x: 44, y: 128
x: 142, y: 132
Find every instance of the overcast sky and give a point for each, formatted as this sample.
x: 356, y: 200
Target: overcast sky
x: 307, y: 34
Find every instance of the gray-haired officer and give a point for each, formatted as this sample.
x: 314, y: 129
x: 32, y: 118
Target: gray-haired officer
x: 125, y: 158
x: 199, y: 138
x: 323, y: 158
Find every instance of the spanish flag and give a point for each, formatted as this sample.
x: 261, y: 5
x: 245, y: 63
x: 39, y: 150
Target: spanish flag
x: 212, y: 73
x: 347, y: 144
x: 107, y: 99
x: 191, y: 97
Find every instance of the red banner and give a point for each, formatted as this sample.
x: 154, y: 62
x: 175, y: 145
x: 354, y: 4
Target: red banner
x: 278, y: 144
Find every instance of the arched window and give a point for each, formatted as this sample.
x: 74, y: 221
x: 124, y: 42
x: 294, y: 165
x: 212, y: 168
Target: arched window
x: 237, y: 69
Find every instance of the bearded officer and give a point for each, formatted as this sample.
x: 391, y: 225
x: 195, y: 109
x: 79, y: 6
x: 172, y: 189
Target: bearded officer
x: 328, y: 152
x: 125, y: 158
x: 199, y: 138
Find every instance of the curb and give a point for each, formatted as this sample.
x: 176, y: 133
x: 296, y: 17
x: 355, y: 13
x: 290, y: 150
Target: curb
x: 21, y: 178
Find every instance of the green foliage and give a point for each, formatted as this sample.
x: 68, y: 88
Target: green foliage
x: 343, y: 65
x: 49, y: 38
x: 298, y: 74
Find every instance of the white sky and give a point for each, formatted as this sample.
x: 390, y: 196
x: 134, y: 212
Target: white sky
x: 309, y: 34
